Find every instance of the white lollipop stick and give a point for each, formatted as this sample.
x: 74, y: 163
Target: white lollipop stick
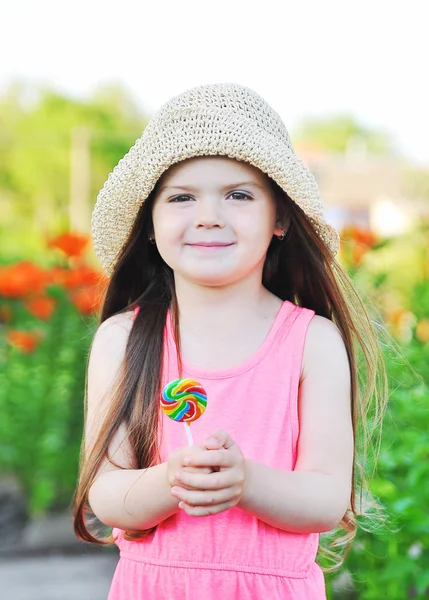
x: 189, y: 434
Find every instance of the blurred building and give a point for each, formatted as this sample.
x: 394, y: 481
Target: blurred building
x: 369, y: 191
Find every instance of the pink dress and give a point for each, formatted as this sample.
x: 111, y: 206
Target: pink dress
x: 232, y: 555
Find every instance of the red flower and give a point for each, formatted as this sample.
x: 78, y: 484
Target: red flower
x: 56, y: 275
x: 87, y: 300
x: 82, y: 276
x: 41, y: 307
x: 22, y: 279
x: 72, y: 244
x: 25, y: 341
x: 355, y: 243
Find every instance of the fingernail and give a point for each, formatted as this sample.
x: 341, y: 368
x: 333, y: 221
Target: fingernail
x: 212, y: 440
x: 178, y: 476
x: 187, y: 460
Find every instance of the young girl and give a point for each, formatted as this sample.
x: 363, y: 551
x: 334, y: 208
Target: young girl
x: 222, y: 269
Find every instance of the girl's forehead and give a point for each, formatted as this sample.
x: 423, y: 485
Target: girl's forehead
x: 202, y: 167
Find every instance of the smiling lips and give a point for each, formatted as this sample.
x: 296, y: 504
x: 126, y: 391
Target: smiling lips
x: 211, y: 244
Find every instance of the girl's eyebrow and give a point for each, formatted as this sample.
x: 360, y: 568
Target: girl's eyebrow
x: 226, y: 187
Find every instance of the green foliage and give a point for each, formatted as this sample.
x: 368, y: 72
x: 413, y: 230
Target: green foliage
x: 36, y: 130
x: 393, y: 561
x: 390, y: 559
x: 41, y: 403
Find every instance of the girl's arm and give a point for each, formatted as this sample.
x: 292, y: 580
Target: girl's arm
x: 139, y: 498
x: 133, y: 498
x: 313, y: 497
x: 127, y: 498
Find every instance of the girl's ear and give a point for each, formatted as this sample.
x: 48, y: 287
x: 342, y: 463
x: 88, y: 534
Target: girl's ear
x: 282, y: 225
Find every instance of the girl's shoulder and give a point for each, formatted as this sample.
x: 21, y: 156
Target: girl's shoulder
x: 115, y: 328
x: 323, y: 340
x: 123, y: 320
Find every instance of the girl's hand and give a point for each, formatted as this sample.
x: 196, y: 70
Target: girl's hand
x: 203, y: 494
x: 175, y: 463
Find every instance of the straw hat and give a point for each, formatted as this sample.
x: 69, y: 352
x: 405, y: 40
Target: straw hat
x: 217, y: 119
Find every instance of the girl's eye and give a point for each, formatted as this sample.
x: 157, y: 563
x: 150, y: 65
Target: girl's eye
x: 182, y: 198
x: 246, y: 196
x: 185, y: 197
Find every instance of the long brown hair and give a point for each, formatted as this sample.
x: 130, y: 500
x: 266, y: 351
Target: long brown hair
x: 299, y: 269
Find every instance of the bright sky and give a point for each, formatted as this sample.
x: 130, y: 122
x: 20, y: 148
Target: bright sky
x: 305, y: 57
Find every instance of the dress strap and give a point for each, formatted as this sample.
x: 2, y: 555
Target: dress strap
x: 295, y: 346
x: 136, y: 311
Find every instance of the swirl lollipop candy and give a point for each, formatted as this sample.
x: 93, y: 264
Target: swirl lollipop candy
x: 184, y: 400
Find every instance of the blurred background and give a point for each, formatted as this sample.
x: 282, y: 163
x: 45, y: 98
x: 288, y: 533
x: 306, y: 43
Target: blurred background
x: 78, y: 83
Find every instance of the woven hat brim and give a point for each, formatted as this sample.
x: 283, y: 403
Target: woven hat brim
x: 168, y: 140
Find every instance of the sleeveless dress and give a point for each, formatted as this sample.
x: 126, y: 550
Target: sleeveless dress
x: 231, y: 555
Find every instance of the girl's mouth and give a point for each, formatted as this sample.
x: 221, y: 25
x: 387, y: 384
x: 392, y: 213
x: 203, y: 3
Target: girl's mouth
x: 211, y: 246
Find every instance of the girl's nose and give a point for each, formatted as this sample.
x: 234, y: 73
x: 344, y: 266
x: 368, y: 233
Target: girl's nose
x: 208, y: 214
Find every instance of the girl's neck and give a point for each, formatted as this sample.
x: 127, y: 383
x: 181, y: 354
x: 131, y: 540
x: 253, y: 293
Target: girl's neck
x: 219, y: 308
x: 222, y: 328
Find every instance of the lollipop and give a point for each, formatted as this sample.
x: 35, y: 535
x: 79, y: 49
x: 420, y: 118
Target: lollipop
x: 184, y: 400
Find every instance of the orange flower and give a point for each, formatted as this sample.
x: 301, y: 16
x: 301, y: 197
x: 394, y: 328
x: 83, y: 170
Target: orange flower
x: 422, y: 331
x: 82, y: 276
x: 397, y: 315
x: 355, y: 243
x: 41, y: 307
x: 25, y: 341
x: 358, y: 235
x: 367, y: 238
x: 21, y: 279
x: 358, y: 252
x: 72, y: 244
x: 87, y: 300
x: 56, y: 275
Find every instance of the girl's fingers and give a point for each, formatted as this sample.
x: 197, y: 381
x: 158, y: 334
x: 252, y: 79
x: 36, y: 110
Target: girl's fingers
x: 206, y: 470
x: 211, y: 444
x: 206, y: 481
x: 204, y: 458
x: 206, y: 498
x: 219, y: 438
x: 200, y: 470
x: 205, y: 511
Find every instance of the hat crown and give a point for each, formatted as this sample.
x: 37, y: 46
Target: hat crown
x: 234, y: 99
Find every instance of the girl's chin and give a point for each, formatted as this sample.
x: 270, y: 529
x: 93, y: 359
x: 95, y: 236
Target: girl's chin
x: 210, y: 279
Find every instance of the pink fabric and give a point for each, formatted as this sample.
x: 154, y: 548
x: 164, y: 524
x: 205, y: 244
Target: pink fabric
x: 232, y: 555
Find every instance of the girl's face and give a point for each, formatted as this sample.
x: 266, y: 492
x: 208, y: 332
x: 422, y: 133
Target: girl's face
x: 214, y: 218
